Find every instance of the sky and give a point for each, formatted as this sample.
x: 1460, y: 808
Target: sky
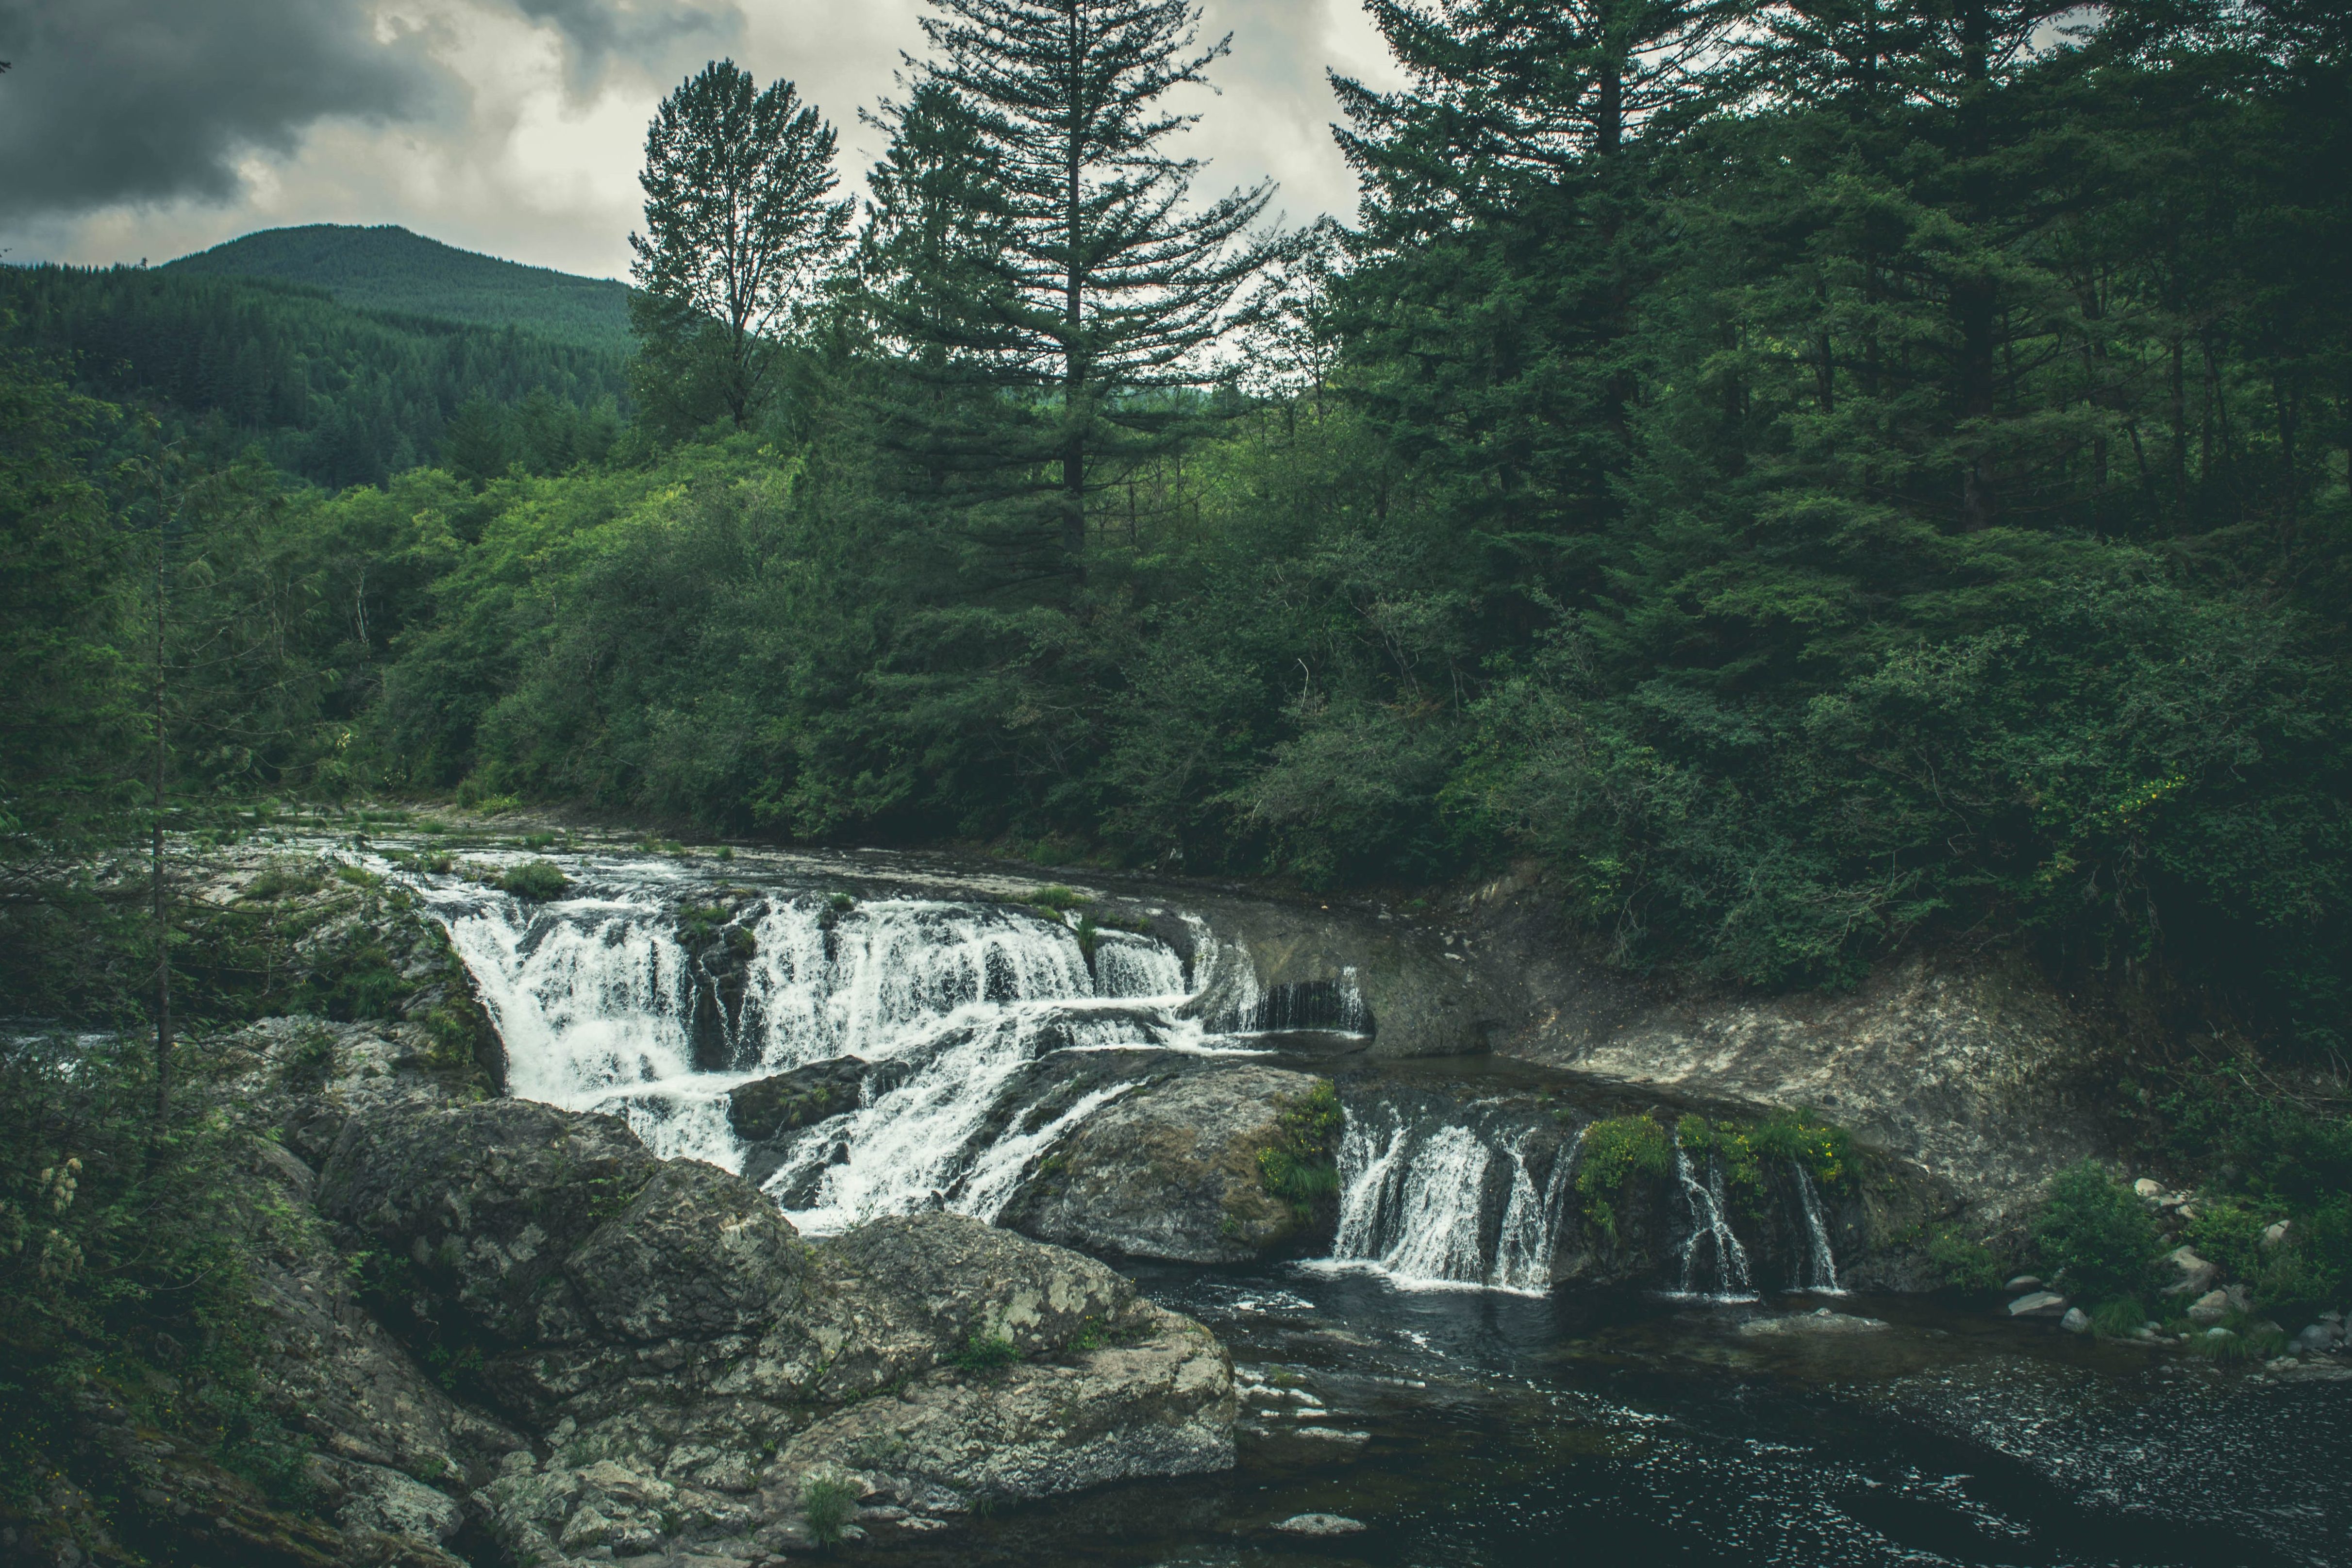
x: 135, y: 129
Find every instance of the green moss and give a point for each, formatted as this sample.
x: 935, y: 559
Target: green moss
x: 535, y: 881
x: 1613, y: 1151
x: 1822, y: 1148
x: 1302, y: 1165
x: 1729, y: 1143
x: 986, y: 1352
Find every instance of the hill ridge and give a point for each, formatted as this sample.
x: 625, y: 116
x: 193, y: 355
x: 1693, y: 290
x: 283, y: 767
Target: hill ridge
x: 390, y: 268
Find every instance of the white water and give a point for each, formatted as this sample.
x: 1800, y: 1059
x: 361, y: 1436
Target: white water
x: 1413, y: 1206
x: 594, y: 995
x: 1711, y: 1248
x: 1820, y: 1260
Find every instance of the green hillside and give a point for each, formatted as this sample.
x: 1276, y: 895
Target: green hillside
x: 388, y: 269
x: 336, y: 395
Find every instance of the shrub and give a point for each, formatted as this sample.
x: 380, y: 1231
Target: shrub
x: 1612, y: 1150
x: 986, y: 1352
x: 827, y: 1502
x: 1727, y: 1142
x: 535, y: 881
x: 1302, y: 1165
x: 1964, y: 1263
x: 2096, y: 1235
x: 1819, y: 1147
x: 2119, y: 1318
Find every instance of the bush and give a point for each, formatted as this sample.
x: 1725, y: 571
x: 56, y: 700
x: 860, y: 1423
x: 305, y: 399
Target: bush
x: 1302, y: 1165
x: 1613, y: 1150
x: 828, y: 1503
x: 2096, y: 1235
x: 1964, y: 1263
x: 535, y: 881
x: 1819, y: 1147
x: 986, y: 1352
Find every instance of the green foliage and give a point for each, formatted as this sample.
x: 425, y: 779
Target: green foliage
x: 2228, y: 1231
x: 1726, y: 1141
x: 828, y: 1503
x: 2095, y: 1236
x: 2119, y: 1318
x: 1823, y: 1149
x: 985, y: 1352
x: 535, y: 881
x: 1058, y: 898
x: 1301, y: 1166
x: 1613, y: 1151
x: 1961, y: 1261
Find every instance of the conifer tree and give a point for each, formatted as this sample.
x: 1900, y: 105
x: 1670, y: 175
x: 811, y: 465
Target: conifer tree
x: 1100, y: 286
x: 738, y: 229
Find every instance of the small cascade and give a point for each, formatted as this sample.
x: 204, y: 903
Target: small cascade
x: 1438, y: 1203
x: 595, y: 996
x: 1821, y: 1260
x: 1711, y: 1249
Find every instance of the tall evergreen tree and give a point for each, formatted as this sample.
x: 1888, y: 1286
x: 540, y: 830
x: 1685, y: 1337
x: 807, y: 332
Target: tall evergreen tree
x: 739, y: 228
x: 1102, y: 287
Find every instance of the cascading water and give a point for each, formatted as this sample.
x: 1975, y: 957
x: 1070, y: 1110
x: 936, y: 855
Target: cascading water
x: 1821, y: 1260
x: 1711, y: 1250
x: 1419, y: 1203
x: 595, y: 997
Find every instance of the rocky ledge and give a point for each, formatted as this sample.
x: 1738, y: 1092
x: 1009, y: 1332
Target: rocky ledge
x: 510, y: 1329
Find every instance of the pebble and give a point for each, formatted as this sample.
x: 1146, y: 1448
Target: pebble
x: 1320, y: 1525
x: 2075, y: 1322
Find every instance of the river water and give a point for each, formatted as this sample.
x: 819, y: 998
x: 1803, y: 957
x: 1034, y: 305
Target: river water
x: 1425, y: 1382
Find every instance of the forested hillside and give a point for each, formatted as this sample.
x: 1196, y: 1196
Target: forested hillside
x: 1817, y: 479
x: 333, y: 395
x: 386, y: 269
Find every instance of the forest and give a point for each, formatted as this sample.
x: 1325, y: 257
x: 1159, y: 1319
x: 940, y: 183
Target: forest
x: 1818, y: 478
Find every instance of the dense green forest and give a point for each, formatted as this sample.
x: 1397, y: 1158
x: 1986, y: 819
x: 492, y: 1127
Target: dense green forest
x: 1818, y: 478
x: 330, y: 395
x: 388, y: 270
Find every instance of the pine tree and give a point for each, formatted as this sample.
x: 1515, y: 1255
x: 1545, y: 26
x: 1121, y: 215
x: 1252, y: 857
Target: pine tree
x: 738, y: 230
x: 1100, y: 292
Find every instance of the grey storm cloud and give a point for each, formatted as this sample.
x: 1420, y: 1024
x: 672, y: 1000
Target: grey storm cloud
x: 148, y: 100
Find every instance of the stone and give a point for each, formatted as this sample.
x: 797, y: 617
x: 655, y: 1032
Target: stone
x: 769, y: 1107
x: 2191, y: 1275
x: 2318, y: 1337
x: 2210, y: 1308
x: 1320, y: 1525
x: 2075, y: 1322
x: 2024, y: 1282
x: 2275, y: 1234
x: 2040, y: 1304
x: 1170, y: 1170
x: 2149, y: 1189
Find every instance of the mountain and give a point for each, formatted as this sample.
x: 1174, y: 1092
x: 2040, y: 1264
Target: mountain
x: 388, y: 269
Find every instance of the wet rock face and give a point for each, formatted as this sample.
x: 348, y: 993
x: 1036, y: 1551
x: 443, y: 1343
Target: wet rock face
x: 1170, y: 1170
x: 772, y: 1107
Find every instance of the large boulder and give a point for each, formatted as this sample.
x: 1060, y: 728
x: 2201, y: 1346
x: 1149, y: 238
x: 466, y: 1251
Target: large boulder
x: 1171, y: 1171
x: 787, y: 1101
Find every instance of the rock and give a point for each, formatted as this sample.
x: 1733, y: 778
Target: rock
x: 1320, y: 1525
x: 2317, y: 1338
x: 386, y: 1500
x: 1820, y: 1320
x: 2150, y: 1190
x: 697, y: 1254
x: 2275, y: 1234
x: 2191, y: 1275
x: 2075, y: 1322
x: 769, y: 1107
x: 2210, y: 1308
x: 2040, y: 1304
x: 1162, y: 1405
x: 2024, y: 1282
x: 1170, y: 1170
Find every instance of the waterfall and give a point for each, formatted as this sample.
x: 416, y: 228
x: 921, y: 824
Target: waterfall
x: 1418, y: 1203
x: 1710, y: 1234
x: 595, y: 996
x: 1821, y: 1261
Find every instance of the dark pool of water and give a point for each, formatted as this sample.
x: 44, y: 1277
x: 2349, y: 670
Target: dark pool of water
x: 1616, y: 1429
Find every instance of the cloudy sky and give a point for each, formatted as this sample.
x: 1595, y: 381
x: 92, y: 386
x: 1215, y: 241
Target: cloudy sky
x: 134, y: 129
